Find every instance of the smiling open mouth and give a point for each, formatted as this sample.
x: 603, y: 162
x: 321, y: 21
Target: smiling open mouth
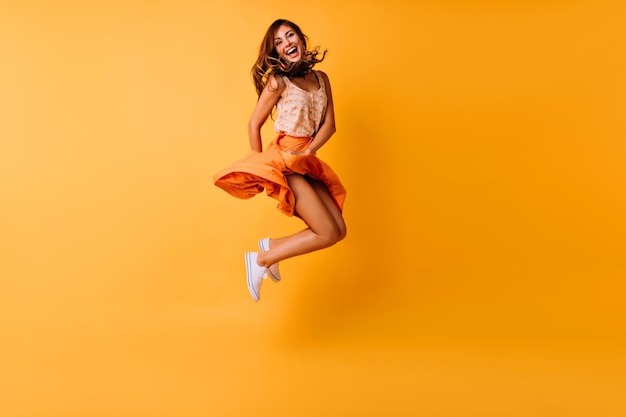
x: 293, y: 51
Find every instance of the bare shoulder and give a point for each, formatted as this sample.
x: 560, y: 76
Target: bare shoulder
x: 323, y: 75
x: 275, y: 84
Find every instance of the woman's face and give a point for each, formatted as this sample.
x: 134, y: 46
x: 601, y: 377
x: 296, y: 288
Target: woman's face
x: 288, y: 44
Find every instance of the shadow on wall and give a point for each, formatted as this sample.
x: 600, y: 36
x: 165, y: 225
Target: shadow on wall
x: 353, y: 281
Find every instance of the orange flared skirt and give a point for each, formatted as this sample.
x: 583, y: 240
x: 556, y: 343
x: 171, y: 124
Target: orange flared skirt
x: 268, y: 170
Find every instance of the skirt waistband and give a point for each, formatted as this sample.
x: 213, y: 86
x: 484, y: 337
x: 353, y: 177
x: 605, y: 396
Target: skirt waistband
x: 284, y: 142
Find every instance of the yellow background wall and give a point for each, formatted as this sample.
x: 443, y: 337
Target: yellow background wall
x: 483, y: 147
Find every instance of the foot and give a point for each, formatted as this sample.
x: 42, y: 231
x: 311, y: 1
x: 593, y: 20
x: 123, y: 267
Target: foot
x: 273, y: 272
x: 254, y: 275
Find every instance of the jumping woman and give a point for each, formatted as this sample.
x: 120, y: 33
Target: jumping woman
x: 300, y: 101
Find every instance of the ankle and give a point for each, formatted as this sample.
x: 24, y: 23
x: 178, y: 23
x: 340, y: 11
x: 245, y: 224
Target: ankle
x: 261, y: 260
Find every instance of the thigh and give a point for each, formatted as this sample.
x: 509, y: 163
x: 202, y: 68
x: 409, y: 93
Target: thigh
x: 310, y: 206
x: 322, y: 191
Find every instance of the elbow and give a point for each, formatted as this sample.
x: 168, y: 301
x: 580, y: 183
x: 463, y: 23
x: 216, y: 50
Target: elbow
x: 254, y: 128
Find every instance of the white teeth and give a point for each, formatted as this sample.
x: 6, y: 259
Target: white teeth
x: 291, y: 51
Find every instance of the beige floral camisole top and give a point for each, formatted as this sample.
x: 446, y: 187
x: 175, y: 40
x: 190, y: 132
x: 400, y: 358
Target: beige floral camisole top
x: 300, y: 112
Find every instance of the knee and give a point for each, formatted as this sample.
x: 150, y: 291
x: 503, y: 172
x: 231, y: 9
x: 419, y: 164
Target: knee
x: 334, y: 235
x: 341, y: 233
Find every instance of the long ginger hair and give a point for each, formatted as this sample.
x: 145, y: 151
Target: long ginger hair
x: 268, y: 63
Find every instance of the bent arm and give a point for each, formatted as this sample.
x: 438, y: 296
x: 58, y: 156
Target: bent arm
x: 268, y: 99
x: 327, y: 128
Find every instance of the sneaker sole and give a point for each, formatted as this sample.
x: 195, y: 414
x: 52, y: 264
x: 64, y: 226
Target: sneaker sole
x: 249, y: 277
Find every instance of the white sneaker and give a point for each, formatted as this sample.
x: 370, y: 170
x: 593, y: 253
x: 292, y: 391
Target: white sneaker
x: 274, y: 273
x: 254, y: 275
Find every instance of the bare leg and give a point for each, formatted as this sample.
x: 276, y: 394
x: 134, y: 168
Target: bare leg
x: 317, y: 208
